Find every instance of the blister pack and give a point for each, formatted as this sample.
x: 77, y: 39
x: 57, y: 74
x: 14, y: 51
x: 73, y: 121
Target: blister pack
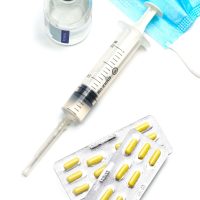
x: 130, y: 170
x: 79, y: 171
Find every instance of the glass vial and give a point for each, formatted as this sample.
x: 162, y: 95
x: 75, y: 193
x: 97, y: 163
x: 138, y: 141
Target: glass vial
x: 68, y: 21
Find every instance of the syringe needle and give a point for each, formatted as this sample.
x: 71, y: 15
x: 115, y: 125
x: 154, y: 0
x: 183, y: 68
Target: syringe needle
x: 62, y: 126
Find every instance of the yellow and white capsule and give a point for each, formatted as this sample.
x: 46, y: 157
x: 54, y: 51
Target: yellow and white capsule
x: 152, y: 136
x: 71, y: 163
x: 81, y: 189
x: 99, y: 171
x: 145, y: 149
x: 118, y: 145
x: 154, y: 158
x: 121, y: 173
x: 75, y: 176
x: 94, y: 160
x: 134, y: 179
x: 131, y: 146
x: 143, y: 127
x: 107, y: 195
x: 119, y: 198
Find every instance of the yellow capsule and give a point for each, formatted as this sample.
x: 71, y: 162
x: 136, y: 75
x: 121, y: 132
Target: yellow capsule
x: 107, y: 194
x: 152, y: 136
x: 142, y: 127
x: 81, y: 189
x: 94, y: 160
x: 154, y: 158
x: 131, y: 146
x: 118, y: 145
x: 120, y: 174
x: 99, y: 171
x: 120, y: 198
x: 74, y: 176
x: 145, y: 149
x: 72, y: 163
x: 134, y: 179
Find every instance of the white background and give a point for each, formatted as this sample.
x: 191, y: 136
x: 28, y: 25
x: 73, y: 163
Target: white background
x: 37, y: 76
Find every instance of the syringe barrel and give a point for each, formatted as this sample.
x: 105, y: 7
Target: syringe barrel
x: 114, y: 60
x: 105, y: 72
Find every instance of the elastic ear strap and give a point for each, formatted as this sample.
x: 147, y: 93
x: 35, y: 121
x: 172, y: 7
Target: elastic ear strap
x: 187, y: 49
x: 194, y: 72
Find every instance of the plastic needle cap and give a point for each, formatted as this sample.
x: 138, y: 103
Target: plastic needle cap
x: 45, y: 147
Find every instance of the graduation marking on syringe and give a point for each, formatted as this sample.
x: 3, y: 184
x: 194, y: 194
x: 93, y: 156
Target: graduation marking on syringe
x: 108, y: 64
x: 96, y: 80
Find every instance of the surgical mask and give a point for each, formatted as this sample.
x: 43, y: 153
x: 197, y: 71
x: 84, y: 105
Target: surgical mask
x: 178, y: 17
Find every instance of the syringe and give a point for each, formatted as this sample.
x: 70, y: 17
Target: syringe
x: 99, y: 79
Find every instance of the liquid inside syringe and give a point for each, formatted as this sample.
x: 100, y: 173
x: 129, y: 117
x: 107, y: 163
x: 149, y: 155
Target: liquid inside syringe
x: 98, y: 80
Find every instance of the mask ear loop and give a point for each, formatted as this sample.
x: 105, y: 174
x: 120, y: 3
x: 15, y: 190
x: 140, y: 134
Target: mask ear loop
x: 194, y: 72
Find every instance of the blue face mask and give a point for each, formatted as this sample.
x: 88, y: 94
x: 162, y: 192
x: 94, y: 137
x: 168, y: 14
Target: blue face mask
x: 178, y: 17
